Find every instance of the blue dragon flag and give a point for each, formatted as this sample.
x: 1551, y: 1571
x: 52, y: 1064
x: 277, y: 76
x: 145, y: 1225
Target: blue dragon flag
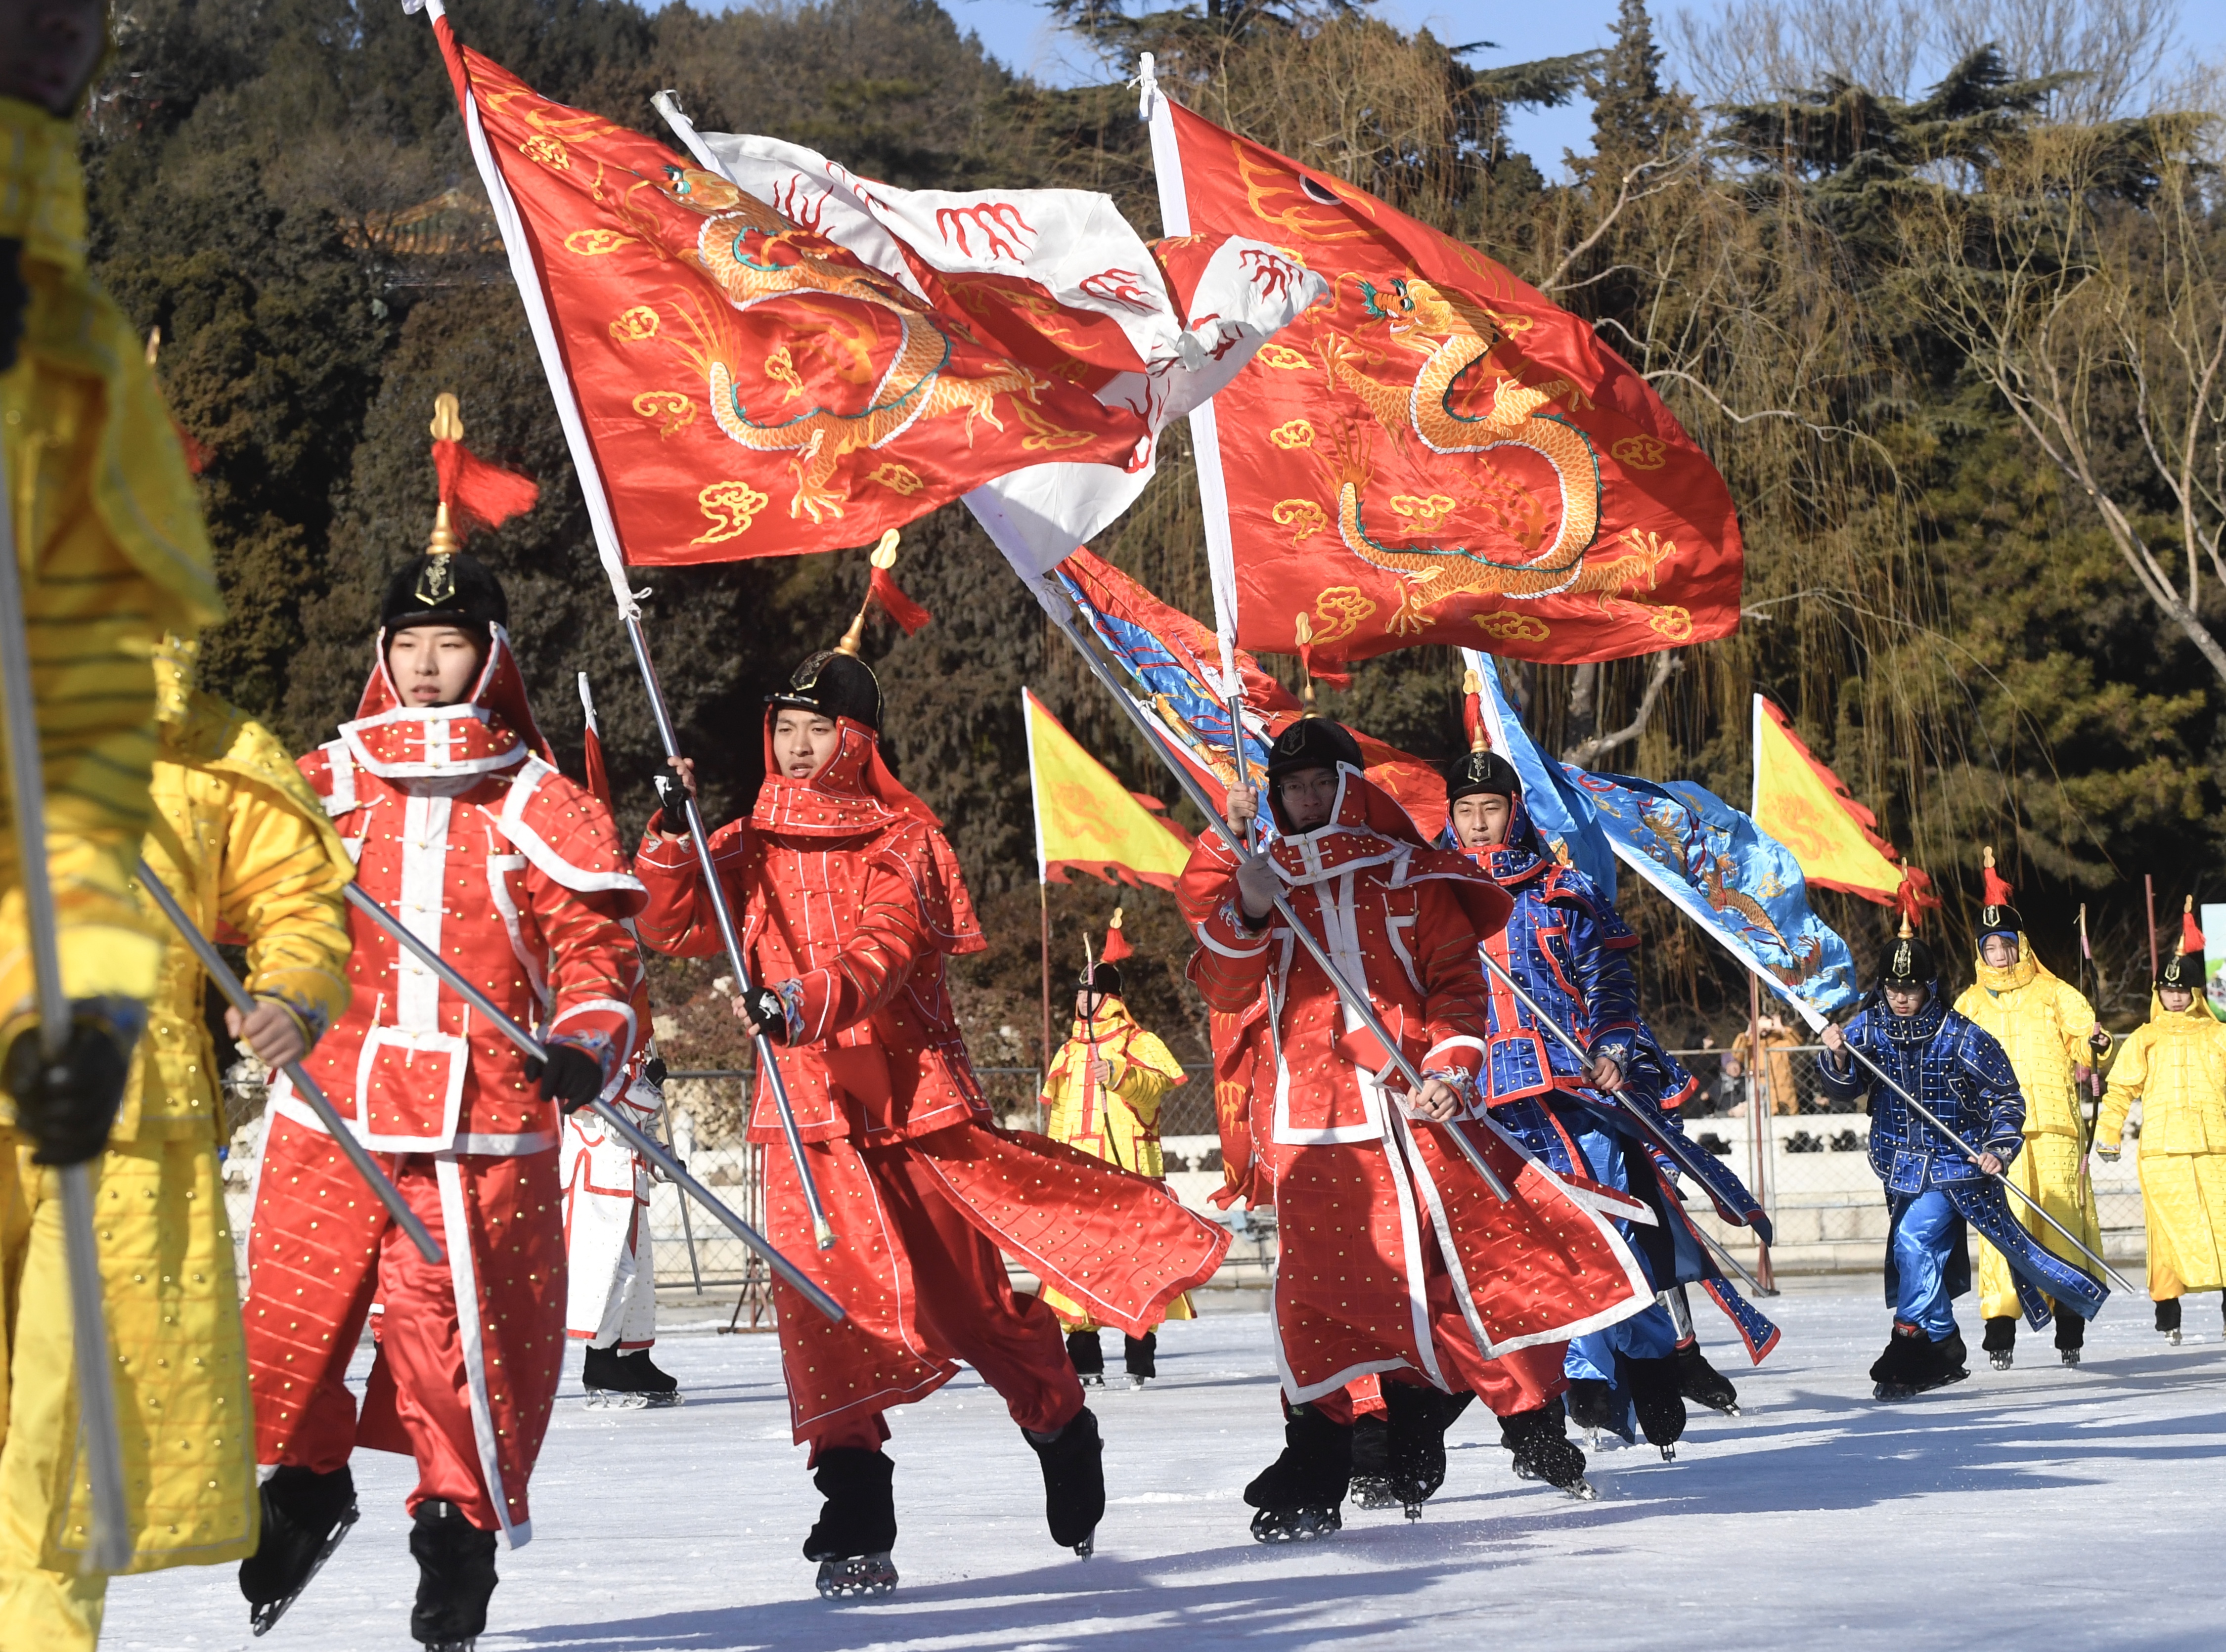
x: 1727, y: 875
x: 1559, y: 807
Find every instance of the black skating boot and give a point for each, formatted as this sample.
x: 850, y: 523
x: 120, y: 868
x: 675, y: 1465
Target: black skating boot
x: 1655, y: 1397
x: 857, y: 1524
x: 1370, y: 1486
x: 1074, y: 1481
x: 1597, y: 1408
x: 456, y: 1577
x: 1139, y: 1357
x: 1913, y: 1364
x: 1701, y: 1383
x: 2000, y: 1343
x: 2071, y: 1335
x: 2167, y: 1319
x: 305, y: 1515
x: 1544, y: 1450
x: 1419, y: 1419
x: 1298, y: 1494
x: 1087, y: 1357
x: 627, y: 1382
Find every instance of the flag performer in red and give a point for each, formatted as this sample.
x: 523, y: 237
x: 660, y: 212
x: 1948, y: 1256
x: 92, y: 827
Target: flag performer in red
x: 852, y: 902
x: 1391, y: 1238
x: 443, y: 788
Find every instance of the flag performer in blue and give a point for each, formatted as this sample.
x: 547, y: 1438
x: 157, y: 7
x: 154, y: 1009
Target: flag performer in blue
x: 1946, y: 1118
x: 1571, y: 953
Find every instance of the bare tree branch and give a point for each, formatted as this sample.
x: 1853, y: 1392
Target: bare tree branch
x: 1586, y: 752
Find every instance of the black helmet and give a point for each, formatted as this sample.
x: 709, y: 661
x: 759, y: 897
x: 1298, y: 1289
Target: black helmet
x: 2182, y: 971
x: 1312, y: 743
x: 1102, y: 978
x: 1909, y: 962
x: 447, y: 588
x: 1482, y: 770
x: 833, y: 684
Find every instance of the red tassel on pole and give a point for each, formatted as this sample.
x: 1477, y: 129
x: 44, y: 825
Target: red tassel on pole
x: 1116, y: 944
x: 908, y: 614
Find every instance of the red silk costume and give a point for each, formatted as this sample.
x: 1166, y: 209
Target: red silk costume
x: 462, y: 828
x: 1395, y: 1256
x: 849, y: 900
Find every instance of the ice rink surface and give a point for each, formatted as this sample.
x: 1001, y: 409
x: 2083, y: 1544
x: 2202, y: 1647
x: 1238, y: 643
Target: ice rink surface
x: 2040, y: 1508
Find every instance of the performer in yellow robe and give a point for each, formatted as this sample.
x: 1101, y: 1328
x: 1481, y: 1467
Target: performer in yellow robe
x: 2049, y: 1031
x: 1102, y: 1093
x: 2175, y: 1067
x: 111, y: 553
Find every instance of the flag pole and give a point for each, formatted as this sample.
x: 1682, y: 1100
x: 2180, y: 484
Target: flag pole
x: 1356, y: 1002
x: 526, y: 276
x: 111, y: 1547
x: 628, y: 1132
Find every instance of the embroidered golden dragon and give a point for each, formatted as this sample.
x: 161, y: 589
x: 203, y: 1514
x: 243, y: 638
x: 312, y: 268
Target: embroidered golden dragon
x: 1453, y: 335
x: 756, y: 256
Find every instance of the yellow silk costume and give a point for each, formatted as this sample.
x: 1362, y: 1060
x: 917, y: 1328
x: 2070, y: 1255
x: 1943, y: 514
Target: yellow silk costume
x: 2175, y: 1066
x: 2042, y: 1023
x: 111, y: 554
x: 1117, y: 1123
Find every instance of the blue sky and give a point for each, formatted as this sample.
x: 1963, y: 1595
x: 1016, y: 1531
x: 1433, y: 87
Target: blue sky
x: 1017, y: 34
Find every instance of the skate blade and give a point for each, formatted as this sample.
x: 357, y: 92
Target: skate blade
x: 1582, y: 1490
x: 1668, y: 1453
x: 2070, y: 1358
x: 860, y: 1575
x: 1086, y: 1548
x: 1374, y: 1493
x: 1413, y: 1510
x: 2001, y: 1361
x: 625, y: 1399
x: 263, y: 1619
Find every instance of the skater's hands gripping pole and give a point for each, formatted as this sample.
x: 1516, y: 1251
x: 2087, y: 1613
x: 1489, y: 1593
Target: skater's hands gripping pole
x: 60, y: 1036
x: 823, y: 1231
x: 1836, y: 1041
x: 1261, y: 878
x: 534, y: 1050
x: 244, y: 1004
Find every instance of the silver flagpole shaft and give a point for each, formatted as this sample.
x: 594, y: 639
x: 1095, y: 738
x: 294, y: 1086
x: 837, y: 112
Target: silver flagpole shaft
x: 823, y: 1231
x: 238, y: 996
x: 644, y: 1145
x: 1732, y: 1262
x: 111, y: 1547
x: 1972, y: 1153
x: 1355, y: 1001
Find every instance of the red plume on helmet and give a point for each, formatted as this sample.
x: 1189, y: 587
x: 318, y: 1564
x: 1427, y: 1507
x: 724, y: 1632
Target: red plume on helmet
x: 1116, y: 943
x: 1995, y: 892
x: 475, y: 494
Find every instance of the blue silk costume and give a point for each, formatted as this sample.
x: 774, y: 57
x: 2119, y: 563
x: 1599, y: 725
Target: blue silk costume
x: 1571, y: 952
x: 1933, y: 1190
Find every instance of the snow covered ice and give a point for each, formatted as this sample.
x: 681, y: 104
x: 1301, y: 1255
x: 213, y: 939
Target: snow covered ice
x: 2040, y: 1507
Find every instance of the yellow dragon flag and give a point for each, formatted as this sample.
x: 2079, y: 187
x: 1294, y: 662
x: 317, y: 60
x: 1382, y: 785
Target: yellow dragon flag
x: 1086, y: 820
x: 1806, y: 807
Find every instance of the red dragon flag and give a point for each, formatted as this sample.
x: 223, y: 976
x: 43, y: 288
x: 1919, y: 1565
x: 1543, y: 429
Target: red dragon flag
x: 1059, y: 279
x: 732, y: 383
x: 1438, y: 453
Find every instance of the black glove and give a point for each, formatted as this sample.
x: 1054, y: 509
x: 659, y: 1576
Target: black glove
x: 2099, y: 1042
x: 67, y: 1105
x: 763, y: 1006
x: 653, y: 1071
x: 571, y: 1077
x: 672, y: 798
x: 15, y: 299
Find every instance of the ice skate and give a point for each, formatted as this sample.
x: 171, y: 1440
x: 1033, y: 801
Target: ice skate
x: 2000, y: 1343
x: 2071, y: 1337
x: 456, y: 1577
x: 1139, y: 1358
x: 859, y: 1574
x: 1134, y: 1382
x: 2000, y: 1359
x: 1702, y: 1384
x: 1087, y: 1357
x: 1595, y: 1407
x: 627, y: 1382
x: 2068, y: 1355
x: 1544, y: 1452
x: 1370, y: 1484
x: 1914, y: 1364
x: 305, y: 1516
x: 1298, y: 1494
x: 1656, y: 1400
x: 1074, y: 1462
x: 857, y: 1524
